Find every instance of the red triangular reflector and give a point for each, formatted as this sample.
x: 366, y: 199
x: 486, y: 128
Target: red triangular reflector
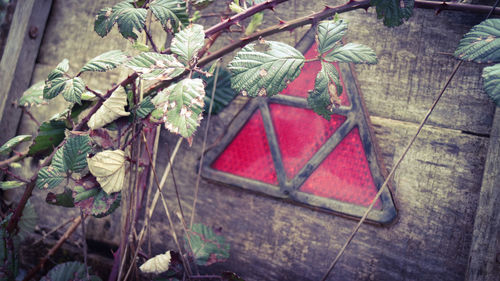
x: 344, y: 175
x: 248, y: 155
x: 300, y: 133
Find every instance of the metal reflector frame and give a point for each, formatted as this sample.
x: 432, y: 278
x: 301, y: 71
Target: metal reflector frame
x: 280, y: 147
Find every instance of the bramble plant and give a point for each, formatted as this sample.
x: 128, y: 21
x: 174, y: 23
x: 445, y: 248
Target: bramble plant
x: 92, y: 149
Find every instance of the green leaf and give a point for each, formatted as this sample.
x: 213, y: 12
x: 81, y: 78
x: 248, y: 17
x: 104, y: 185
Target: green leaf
x: 69, y: 271
x: 95, y: 201
x: 50, y: 134
x: 140, y: 46
x: 156, y: 66
x: 254, y: 23
x: 394, y: 12
x: 481, y: 43
x: 54, y: 87
x: 208, y: 247
x: 73, y: 90
x: 188, y: 42
x: 327, y: 89
x: 106, y: 61
x: 491, y: 78
x: 60, y: 70
x: 171, y: 13
x: 329, y: 34
x: 201, y: 4
x: 129, y: 18
x: 265, y: 68
x: 33, y: 96
x: 75, y: 152
x: 6, y: 185
x: 49, y: 177
x: 182, y: 105
x: 28, y: 220
x: 352, y: 52
x: 63, y: 199
x: 145, y: 107
x: 104, y: 22
x: 224, y: 94
x: 7, y: 147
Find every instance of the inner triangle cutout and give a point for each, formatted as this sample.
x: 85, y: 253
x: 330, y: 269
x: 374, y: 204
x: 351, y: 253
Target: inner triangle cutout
x: 279, y: 147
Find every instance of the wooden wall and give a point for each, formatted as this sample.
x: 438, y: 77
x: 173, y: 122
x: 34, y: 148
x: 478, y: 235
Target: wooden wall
x: 437, y: 186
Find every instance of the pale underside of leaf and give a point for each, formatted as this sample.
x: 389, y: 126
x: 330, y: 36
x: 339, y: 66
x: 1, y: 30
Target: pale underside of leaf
x: 329, y: 34
x: 112, y: 109
x: 188, y: 42
x: 491, y: 78
x: 7, y: 147
x: 265, y: 69
x: 109, y: 169
x: 6, y: 185
x: 105, y: 61
x: 154, y: 66
x: 481, y: 43
x: 33, y: 95
x: 157, y: 264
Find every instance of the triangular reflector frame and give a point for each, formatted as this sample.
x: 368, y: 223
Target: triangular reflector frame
x: 294, y: 174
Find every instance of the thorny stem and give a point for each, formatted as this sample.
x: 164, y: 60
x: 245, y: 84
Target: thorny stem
x: 150, y: 39
x: 384, y: 185
x: 9, y: 173
x: 205, y: 136
x: 84, y: 241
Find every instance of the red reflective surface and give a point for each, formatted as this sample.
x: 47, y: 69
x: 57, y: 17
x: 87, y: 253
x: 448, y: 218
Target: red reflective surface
x: 300, y: 133
x: 248, y: 155
x: 305, y: 82
x: 344, y: 175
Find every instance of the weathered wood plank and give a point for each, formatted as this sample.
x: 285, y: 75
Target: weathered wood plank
x: 484, y: 260
x: 18, y: 60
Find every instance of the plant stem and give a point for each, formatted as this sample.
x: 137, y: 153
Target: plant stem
x: 67, y: 234
x: 84, y: 241
x: 384, y: 185
x: 14, y: 158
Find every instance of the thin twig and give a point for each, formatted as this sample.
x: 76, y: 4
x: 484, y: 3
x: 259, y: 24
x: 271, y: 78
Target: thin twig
x: 15, y: 158
x: 52, y: 231
x: 60, y: 242
x: 150, y: 39
x: 84, y: 242
x: 384, y: 185
x: 205, y: 136
x: 27, y: 112
x: 12, y: 175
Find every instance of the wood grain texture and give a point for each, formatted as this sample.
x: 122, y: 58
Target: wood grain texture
x: 484, y: 260
x: 437, y: 186
x: 18, y: 60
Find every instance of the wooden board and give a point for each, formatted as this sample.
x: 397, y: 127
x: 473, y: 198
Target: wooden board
x: 18, y: 60
x: 484, y: 260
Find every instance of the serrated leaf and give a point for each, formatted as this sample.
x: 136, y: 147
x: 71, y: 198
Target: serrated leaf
x: 73, y: 90
x: 60, y: 70
x: 171, y: 13
x: 104, y: 22
x: 63, y: 199
x: 129, y: 18
x: 156, y: 66
x: 145, y: 107
x: 352, y: 52
x: 394, y: 12
x: 33, y: 95
x: 157, y: 264
x: 69, y: 271
x: 224, y: 94
x: 112, y: 109
x: 7, y: 147
x: 75, y: 152
x: 28, y: 221
x: 481, y: 43
x: 327, y: 89
x: 265, y: 68
x: 208, y: 247
x: 106, y: 61
x: 109, y: 169
x: 6, y: 185
x: 491, y: 78
x: 54, y: 87
x: 94, y: 200
x: 182, y: 105
x: 49, y: 177
x: 329, y: 34
x: 50, y: 134
x: 188, y: 42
